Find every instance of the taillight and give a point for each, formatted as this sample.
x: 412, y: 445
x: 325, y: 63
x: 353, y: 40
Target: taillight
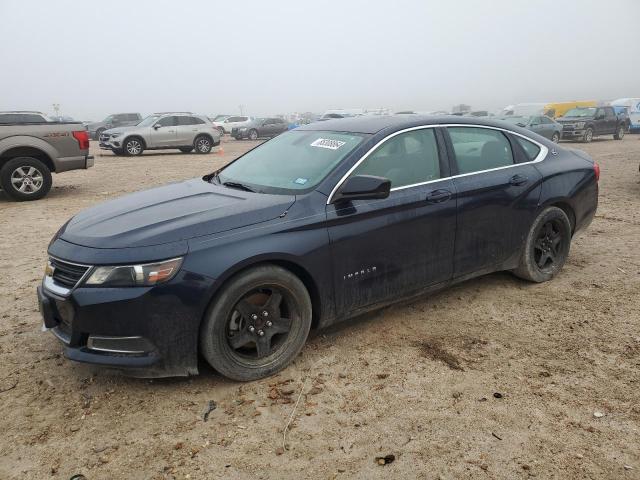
x: 82, y: 136
x: 596, y: 170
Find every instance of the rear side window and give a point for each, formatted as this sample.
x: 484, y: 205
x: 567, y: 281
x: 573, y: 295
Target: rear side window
x: 132, y: 116
x: 186, y: 121
x: 197, y: 121
x: 405, y: 159
x: 20, y: 118
x: 477, y: 149
x: 530, y: 149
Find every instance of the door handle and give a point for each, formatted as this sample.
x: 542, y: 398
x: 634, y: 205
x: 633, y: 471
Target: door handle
x: 518, y: 180
x: 438, y: 196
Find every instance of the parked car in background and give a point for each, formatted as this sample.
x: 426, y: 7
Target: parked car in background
x: 540, y: 124
x: 623, y: 116
x: 260, y: 127
x: 61, y: 119
x: 31, y: 150
x: 17, y: 116
x: 585, y: 123
x: 183, y: 131
x: 114, y: 120
x: 633, y: 110
x: 236, y: 121
x: 316, y: 226
x: 218, y: 120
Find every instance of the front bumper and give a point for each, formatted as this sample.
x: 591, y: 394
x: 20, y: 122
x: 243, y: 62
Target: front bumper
x: 575, y: 133
x: 142, y: 331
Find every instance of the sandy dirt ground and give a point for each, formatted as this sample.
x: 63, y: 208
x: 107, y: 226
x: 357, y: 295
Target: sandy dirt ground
x: 494, y: 378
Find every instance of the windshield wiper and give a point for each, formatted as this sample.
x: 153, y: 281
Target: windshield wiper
x: 237, y: 185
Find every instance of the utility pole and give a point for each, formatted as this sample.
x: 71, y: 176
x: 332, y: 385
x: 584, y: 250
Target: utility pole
x: 241, y: 107
x: 56, y: 108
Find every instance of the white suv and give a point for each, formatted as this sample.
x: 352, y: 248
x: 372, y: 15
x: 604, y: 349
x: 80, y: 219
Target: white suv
x: 236, y: 122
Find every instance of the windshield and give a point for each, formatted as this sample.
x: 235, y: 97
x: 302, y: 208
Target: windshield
x: 581, y: 112
x: 220, y: 118
x: 293, y: 161
x: 108, y: 119
x: 148, y: 121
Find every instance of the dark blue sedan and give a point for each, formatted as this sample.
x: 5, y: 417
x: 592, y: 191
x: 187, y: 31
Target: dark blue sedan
x: 313, y: 227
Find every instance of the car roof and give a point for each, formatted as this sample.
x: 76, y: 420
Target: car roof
x: 377, y: 123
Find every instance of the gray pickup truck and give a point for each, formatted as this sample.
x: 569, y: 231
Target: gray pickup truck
x: 30, y: 151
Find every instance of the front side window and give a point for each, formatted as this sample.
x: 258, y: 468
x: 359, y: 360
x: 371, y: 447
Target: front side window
x: 477, y: 149
x: 294, y: 161
x: 406, y: 159
x: 546, y: 120
x: 167, y: 122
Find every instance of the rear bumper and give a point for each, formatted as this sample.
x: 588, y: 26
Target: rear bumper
x: 80, y: 162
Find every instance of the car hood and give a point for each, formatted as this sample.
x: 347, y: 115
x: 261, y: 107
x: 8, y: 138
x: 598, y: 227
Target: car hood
x: 573, y: 119
x: 119, y: 129
x: 171, y: 213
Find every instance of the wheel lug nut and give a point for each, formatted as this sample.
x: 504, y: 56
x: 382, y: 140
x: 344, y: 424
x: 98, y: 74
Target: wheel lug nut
x: 265, y: 313
x: 260, y: 332
x: 254, y: 316
x: 269, y: 323
x: 252, y: 329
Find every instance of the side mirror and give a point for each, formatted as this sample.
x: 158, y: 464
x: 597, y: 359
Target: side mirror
x: 363, y: 187
x: 156, y: 126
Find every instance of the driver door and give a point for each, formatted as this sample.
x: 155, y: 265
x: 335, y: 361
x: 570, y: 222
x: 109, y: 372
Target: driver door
x: 389, y: 248
x: 164, y: 132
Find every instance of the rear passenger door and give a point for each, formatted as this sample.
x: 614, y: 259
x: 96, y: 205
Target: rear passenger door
x: 384, y: 249
x: 187, y: 130
x: 498, y: 189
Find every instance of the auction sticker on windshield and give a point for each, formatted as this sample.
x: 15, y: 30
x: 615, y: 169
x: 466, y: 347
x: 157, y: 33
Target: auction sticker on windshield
x: 327, y: 143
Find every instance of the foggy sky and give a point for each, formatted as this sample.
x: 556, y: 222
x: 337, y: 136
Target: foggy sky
x: 274, y: 56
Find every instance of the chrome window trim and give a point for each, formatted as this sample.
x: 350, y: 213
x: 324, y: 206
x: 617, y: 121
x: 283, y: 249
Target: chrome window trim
x: 541, y: 155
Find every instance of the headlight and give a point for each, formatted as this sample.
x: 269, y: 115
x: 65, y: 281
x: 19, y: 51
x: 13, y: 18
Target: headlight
x: 134, y: 275
x: 580, y: 124
x: 116, y: 135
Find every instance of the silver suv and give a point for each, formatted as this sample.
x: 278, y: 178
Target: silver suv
x: 184, y: 131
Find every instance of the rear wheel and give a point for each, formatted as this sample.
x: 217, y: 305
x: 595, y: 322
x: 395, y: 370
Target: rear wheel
x: 547, y: 246
x: 257, y: 324
x: 25, y: 178
x: 221, y: 130
x: 253, y: 134
x: 555, y: 138
x: 133, y: 146
x: 588, y: 135
x: 619, y: 135
x: 203, y: 144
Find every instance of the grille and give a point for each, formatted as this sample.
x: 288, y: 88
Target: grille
x: 67, y: 274
x: 104, y: 138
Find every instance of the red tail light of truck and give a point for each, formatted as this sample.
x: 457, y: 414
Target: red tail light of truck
x: 82, y: 136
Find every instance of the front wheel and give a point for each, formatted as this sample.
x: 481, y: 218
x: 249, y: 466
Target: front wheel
x: 588, y: 135
x: 25, y: 178
x: 253, y: 134
x: 547, y: 246
x: 555, y: 138
x: 257, y: 324
x: 133, y: 147
x: 619, y: 135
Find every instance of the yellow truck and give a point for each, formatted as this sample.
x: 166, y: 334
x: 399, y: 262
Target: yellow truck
x: 555, y: 110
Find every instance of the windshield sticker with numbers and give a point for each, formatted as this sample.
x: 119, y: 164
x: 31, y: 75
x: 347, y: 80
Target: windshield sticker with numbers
x: 327, y: 143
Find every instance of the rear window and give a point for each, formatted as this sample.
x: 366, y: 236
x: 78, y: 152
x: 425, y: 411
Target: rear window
x: 20, y: 118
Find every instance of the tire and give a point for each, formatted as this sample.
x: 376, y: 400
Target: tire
x: 588, y: 135
x: 253, y: 134
x: 227, y: 340
x: 133, y: 147
x: 547, y: 246
x: 25, y: 178
x: 619, y: 135
x: 221, y: 130
x: 99, y: 132
x: 186, y: 149
x: 555, y: 138
x: 203, y: 144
